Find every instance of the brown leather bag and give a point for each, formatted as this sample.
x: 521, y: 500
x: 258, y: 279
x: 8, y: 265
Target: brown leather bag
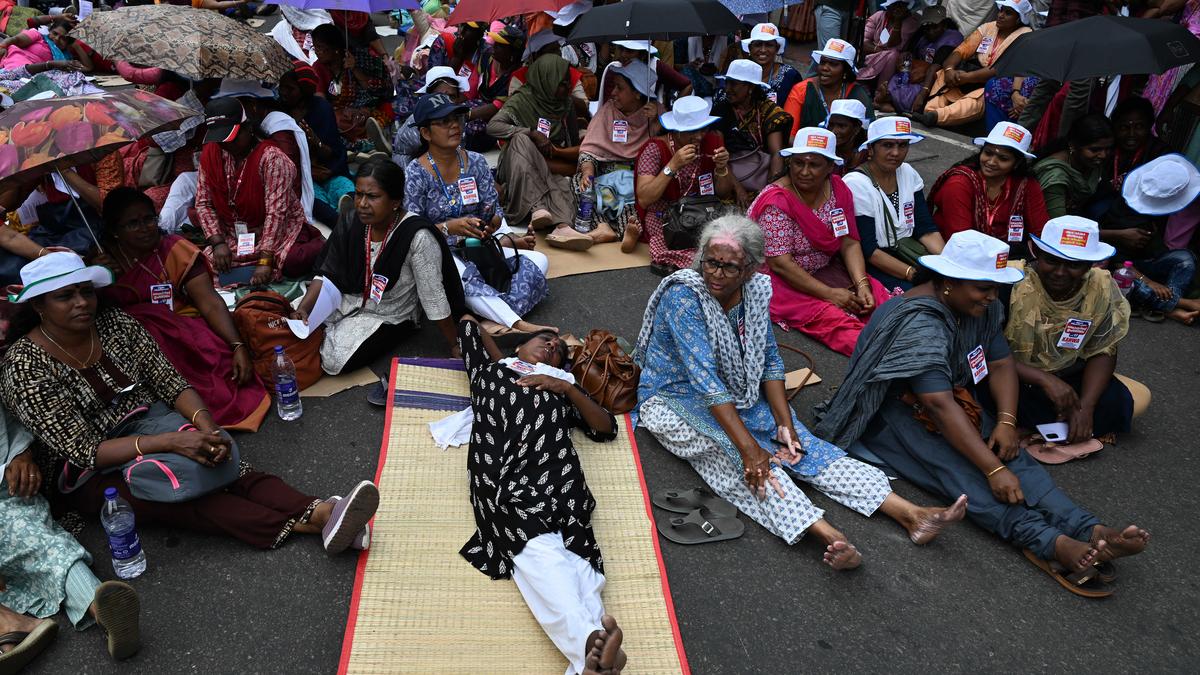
x: 261, y: 319
x: 606, y: 372
x: 962, y: 396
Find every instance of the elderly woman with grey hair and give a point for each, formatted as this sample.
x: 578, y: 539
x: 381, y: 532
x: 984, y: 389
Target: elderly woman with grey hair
x: 712, y: 393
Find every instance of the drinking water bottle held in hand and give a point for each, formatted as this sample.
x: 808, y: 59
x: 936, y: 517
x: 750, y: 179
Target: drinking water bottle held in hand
x: 128, y: 560
x: 583, y: 217
x: 287, y: 392
x: 1124, y: 278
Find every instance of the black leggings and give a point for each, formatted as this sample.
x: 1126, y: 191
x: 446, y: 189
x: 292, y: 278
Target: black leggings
x: 382, y: 341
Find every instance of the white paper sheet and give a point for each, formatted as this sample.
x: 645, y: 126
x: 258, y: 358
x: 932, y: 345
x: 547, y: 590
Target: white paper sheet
x: 85, y: 8
x: 329, y: 299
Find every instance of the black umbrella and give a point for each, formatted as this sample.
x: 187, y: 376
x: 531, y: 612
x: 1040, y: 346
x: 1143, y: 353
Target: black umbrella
x: 1098, y: 46
x: 655, y: 20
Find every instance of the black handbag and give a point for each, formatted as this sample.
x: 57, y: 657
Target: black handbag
x: 496, y: 268
x: 686, y: 218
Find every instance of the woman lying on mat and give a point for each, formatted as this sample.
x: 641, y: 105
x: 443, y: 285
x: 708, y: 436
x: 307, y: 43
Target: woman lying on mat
x: 909, y: 398
x: 97, y: 393
x: 533, y: 509
x: 712, y: 393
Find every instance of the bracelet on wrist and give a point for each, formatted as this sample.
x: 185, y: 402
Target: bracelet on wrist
x: 995, y: 471
x: 197, y: 414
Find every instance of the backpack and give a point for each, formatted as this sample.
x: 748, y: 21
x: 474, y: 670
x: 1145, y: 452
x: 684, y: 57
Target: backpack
x: 261, y: 318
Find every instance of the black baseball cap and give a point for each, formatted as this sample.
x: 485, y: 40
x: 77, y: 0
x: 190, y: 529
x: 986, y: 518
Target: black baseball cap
x: 224, y: 117
x: 434, y: 107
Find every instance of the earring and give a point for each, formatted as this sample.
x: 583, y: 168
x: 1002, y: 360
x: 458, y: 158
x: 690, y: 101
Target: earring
x: 946, y: 292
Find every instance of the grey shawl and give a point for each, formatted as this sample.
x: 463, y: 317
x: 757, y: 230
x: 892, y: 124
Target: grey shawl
x: 919, y: 336
x: 740, y: 368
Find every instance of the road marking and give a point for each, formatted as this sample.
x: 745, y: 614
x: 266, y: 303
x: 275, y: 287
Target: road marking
x: 949, y: 139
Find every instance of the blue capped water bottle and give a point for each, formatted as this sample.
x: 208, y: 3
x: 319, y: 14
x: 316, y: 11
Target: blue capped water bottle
x: 128, y: 559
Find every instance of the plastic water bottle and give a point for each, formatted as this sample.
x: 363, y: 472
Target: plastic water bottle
x: 287, y: 392
x: 1124, y: 278
x: 128, y: 560
x: 583, y: 219
x: 905, y: 69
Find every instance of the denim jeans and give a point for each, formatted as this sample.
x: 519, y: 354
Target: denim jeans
x: 1173, y: 269
x: 830, y: 24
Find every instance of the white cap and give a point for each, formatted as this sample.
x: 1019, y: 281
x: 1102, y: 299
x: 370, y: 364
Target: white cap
x: 745, y: 70
x: 1009, y: 135
x: 888, y: 3
x: 444, y: 73
x: 974, y: 256
x: 898, y: 128
x: 637, y: 46
x: 761, y: 33
x: 538, y: 40
x: 689, y: 113
x: 243, y: 89
x: 814, y: 141
x: 1073, y: 238
x: 838, y: 50
x: 58, y: 270
x: 1162, y: 186
x: 847, y: 107
x: 1022, y: 7
x: 638, y: 73
x: 568, y: 14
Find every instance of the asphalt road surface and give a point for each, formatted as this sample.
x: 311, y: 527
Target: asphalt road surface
x: 968, y: 602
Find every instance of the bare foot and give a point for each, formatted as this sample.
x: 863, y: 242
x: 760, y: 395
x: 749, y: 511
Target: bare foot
x: 526, y: 327
x: 604, y: 655
x: 633, y: 231
x: 841, y: 555
x: 930, y: 521
x: 1183, y: 316
x: 11, y: 622
x: 603, y: 233
x: 1130, y: 541
x: 1077, y: 555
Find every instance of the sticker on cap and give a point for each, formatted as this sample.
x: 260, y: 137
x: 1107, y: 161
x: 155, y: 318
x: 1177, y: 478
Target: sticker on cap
x: 767, y: 29
x: 837, y: 46
x: 903, y: 127
x: 1001, y: 260
x: 1015, y: 134
x: 817, y: 141
x: 1074, y: 238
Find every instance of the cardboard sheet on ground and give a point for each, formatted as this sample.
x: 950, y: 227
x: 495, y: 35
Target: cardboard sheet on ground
x: 329, y: 299
x: 109, y: 81
x: 599, y: 258
x: 793, y: 379
x: 334, y: 384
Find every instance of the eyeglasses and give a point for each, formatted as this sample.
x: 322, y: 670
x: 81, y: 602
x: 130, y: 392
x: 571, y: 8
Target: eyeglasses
x: 723, y: 268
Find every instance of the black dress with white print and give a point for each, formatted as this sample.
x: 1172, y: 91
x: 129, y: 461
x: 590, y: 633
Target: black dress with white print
x: 523, y: 470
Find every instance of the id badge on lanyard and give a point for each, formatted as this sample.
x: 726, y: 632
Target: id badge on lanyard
x: 706, y: 184
x: 163, y: 294
x: 468, y: 190
x: 1016, y: 228
x: 378, y: 285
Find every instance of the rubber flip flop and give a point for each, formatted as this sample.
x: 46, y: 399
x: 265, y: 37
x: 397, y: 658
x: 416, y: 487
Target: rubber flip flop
x: 117, y: 611
x: 696, y: 529
x: 1050, y: 453
x: 1154, y: 316
x: 28, y: 645
x: 686, y: 501
x: 378, y: 395
x: 1086, y: 583
x: 569, y: 242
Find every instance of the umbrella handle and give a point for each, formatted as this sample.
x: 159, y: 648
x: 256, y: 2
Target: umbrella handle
x: 71, y: 194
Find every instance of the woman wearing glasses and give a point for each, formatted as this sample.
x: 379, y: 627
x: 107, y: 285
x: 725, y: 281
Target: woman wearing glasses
x: 711, y: 391
x: 819, y: 275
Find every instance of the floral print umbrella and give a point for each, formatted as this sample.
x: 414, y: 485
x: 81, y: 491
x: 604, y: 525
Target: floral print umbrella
x: 198, y: 43
x: 40, y: 136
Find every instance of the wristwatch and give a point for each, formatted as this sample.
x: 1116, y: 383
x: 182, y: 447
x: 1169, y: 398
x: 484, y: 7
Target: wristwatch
x: 667, y: 171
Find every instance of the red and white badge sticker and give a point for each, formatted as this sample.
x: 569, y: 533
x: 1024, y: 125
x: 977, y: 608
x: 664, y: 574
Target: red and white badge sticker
x: 464, y: 70
x: 1016, y: 228
x: 841, y: 226
x: 620, y: 131
x: 522, y: 367
x: 706, y: 184
x: 909, y: 214
x: 773, y: 96
x: 1074, y: 238
x: 378, y: 285
x: 245, y: 244
x: 1074, y: 333
x: 978, y: 364
x: 543, y: 127
x: 985, y: 45
x: 468, y: 190
x: 163, y: 294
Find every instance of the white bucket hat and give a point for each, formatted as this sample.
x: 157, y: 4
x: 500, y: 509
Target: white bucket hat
x: 637, y: 46
x: 539, y: 40
x: 444, y: 73
x: 974, y: 256
x: 1022, y: 7
x: 243, y: 89
x: 1009, y: 135
x: 1162, y: 186
x: 888, y: 3
x: 838, y: 50
x: 762, y: 33
x: 745, y: 70
x: 847, y: 107
x: 1073, y: 238
x: 898, y: 128
x: 689, y: 113
x: 814, y: 141
x: 57, y: 270
x: 567, y: 15
x: 638, y: 73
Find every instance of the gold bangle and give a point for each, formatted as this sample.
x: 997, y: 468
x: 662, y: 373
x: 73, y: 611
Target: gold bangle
x: 137, y: 445
x: 1014, y: 417
x: 862, y: 281
x: 996, y: 470
x: 41, y: 251
x: 236, y: 345
x: 197, y: 413
x: 1008, y: 423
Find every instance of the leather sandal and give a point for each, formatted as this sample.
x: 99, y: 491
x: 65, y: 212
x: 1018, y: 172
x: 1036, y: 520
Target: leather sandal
x: 695, y: 528
x: 1085, y: 583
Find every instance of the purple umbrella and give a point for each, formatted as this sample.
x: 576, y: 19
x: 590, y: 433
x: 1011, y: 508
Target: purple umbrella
x: 353, y: 5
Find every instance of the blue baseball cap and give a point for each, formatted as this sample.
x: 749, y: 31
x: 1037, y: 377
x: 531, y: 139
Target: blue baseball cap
x: 435, y: 107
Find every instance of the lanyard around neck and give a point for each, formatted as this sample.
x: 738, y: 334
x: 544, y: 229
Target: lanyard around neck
x: 455, y: 203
